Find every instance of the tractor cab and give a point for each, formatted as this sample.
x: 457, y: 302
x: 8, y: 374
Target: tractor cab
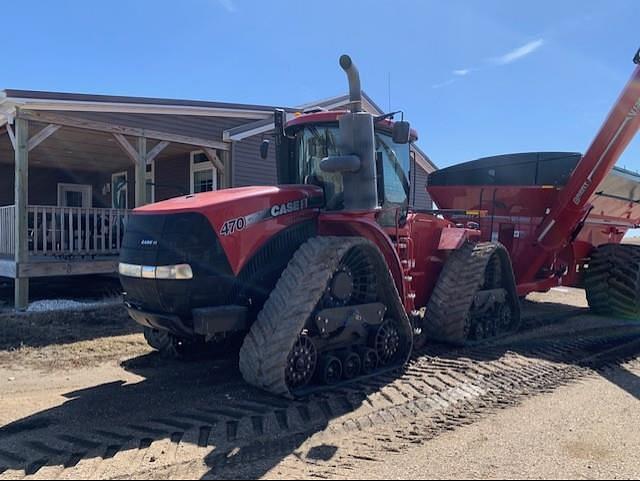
x: 309, y: 139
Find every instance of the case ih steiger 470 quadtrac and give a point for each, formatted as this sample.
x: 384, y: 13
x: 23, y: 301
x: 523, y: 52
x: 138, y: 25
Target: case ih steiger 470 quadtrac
x: 332, y: 275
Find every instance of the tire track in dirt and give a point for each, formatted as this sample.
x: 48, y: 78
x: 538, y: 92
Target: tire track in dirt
x: 441, y: 388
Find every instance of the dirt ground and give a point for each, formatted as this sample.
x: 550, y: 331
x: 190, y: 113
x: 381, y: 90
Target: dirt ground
x: 582, y: 431
x: 83, y: 396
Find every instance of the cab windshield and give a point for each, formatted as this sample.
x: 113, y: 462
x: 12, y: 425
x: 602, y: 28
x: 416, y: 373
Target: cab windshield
x: 315, y: 142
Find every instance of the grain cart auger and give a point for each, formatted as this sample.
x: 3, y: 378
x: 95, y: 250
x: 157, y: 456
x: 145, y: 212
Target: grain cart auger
x: 562, y: 216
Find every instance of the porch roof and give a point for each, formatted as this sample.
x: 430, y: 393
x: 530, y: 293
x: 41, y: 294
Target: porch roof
x: 41, y: 100
x: 83, y: 150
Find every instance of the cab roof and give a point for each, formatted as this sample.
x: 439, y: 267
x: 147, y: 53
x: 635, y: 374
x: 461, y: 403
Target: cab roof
x: 333, y: 116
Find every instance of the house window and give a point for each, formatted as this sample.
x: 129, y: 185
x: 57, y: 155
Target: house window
x: 119, y: 191
x: 74, y: 195
x: 204, y: 176
x: 151, y: 183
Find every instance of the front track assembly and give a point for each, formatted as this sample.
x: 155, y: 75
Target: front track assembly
x: 334, y: 316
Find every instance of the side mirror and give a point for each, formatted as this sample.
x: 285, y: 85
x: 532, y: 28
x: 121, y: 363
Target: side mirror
x: 341, y: 164
x: 401, y: 132
x: 264, y: 149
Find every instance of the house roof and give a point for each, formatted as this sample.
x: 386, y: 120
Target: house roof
x: 73, y: 101
x: 262, y: 115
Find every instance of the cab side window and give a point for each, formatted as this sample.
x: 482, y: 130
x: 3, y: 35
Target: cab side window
x: 394, y: 173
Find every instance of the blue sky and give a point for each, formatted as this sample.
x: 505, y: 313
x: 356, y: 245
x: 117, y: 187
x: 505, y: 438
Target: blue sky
x: 475, y: 78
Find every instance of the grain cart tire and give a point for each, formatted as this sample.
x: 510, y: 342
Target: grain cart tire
x: 612, y: 281
x: 287, y: 348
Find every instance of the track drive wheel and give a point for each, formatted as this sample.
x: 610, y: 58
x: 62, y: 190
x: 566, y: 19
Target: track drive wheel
x: 612, y: 281
x: 324, y: 273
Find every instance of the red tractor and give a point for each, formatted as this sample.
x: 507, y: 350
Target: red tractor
x: 332, y: 275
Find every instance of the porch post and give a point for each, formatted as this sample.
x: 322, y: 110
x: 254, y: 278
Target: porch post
x: 21, y: 199
x: 141, y: 173
x: 226, y: 162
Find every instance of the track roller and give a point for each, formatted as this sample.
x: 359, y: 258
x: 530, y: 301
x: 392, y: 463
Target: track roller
x: 369, y: 359
x: 351, y: 365
x: 331, y: 370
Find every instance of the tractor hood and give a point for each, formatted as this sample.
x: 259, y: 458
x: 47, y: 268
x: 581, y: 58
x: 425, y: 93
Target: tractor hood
x: 245, y: 218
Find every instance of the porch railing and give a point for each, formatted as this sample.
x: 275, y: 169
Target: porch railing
x: 66, y: 231
x: 7, y: 228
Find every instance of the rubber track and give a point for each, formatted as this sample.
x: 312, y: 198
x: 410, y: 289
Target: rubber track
x: 612, y: 281
x: 264, y: 353
x: 462, y: 276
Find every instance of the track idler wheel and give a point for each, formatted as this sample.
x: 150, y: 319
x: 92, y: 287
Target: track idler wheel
x: 505, y: 321
x: 387, y: 342
x: 331, y: 370
x: 301, y: 363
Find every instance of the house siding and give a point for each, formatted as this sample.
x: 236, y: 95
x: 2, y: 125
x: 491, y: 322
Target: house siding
x: 43, y: 185
x: 420, y: 198
x: 248, y: 167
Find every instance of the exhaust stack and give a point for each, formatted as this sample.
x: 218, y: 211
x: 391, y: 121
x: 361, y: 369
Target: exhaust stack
x: 356, y: 163
x: 355, y: 91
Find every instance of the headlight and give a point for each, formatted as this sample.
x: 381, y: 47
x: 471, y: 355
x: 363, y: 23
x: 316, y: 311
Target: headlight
x: 129, y: 270
x: 178, y: 272
x: 148, y: 272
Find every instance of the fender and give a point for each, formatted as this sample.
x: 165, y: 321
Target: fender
x: 452, y: 238
x: 356, y: 224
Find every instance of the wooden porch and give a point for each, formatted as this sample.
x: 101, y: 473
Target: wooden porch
x: 48, y: 240
x: 62, y: 241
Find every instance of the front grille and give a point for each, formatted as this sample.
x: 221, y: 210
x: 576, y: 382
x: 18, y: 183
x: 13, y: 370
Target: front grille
x: 171, y: 239
x: 259, y: 276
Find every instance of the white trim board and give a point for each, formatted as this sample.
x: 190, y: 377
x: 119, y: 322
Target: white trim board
x: 85, y: 189
x: 200, y: 167
x: 131, y: 108
x: 125, y: 188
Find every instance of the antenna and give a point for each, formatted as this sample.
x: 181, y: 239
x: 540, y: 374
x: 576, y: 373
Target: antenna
x: 389, y: 89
